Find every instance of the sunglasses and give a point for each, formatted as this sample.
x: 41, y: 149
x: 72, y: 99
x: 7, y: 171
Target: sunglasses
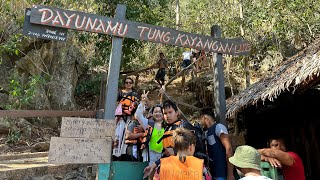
x: 127, y: 82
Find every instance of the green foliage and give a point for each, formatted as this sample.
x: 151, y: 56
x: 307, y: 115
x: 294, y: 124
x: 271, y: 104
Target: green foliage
x: 12, y: 46
x: 271, y: 26
x: 151, y: 12
x: 21, y: 93
x: 13, y: 136
x: 89, y: 85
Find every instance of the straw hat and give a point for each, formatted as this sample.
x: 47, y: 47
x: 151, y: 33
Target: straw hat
x: 246, y: 157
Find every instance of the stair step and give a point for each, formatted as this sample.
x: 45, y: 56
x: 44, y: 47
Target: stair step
x: 35, y: 165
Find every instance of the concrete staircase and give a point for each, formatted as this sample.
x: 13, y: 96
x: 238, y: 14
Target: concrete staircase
x: 34, y: 166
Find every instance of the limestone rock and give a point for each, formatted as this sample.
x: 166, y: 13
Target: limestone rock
x: 5, y: 126
x: 23, y: 123
x: 25, y: 128
x: 3, y: 148
x: 71, y: 175
x: 46, y: 177
x: 41, y: 147
x: 5, y: 71
x: 59, y: 62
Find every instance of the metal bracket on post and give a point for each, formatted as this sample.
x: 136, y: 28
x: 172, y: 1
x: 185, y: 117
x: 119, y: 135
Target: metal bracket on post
x: 218, y: 79
x: 112, y: 85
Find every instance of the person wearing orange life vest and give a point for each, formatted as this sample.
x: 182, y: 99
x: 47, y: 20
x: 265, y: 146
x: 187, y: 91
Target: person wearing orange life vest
x: 134, y: 133
x: 184, y: 165
x: 171, y: 116
x: 127, y: 98
x: 154, y: 129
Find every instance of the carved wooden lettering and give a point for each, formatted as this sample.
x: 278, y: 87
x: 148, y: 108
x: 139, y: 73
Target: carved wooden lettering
x: 87, y: 127
x: 99, y: 24
x: 79, y: 150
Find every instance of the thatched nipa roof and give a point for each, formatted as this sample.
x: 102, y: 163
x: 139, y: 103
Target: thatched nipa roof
x: 299, y: 69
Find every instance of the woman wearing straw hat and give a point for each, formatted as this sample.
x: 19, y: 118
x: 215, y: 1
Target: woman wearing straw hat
x: 247, y: 160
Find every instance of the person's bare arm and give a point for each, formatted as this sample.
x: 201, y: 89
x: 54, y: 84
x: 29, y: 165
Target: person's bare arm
x: 274, y: 162
x: 225, y: 140
x: 281, y: 156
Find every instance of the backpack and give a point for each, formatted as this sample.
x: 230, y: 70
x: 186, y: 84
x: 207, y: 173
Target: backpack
x: 129, y: 103
x: 200, y: 149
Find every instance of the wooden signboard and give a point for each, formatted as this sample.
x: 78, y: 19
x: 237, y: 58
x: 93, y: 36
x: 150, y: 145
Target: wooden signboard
x: 79, y: 150
x: 87, y: 127
x: 122, y: 28
x: 42, y: 32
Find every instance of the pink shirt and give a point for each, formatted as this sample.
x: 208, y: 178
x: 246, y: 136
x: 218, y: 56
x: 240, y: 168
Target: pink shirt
x: 296, y: 170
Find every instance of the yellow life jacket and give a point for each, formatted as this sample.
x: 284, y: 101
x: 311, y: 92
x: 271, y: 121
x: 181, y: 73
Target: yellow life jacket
x: 181, y: 168
x: 167, y: 137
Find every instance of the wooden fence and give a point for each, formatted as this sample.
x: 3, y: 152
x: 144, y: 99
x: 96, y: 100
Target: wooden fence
x: 47, y: 113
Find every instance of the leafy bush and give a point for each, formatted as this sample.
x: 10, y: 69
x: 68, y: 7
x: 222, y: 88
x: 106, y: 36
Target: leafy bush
x: 22, y: 94
x: 89, y: 85
x: 13, y: 136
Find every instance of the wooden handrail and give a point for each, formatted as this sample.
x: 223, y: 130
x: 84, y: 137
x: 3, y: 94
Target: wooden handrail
x: 145, y: 69
x: 179, y: 73
x: 46, y: 113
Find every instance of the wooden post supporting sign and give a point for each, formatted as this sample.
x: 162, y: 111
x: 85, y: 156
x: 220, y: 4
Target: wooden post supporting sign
x: 112, y: 84
x: 114, y: 69
x: 218, y: 81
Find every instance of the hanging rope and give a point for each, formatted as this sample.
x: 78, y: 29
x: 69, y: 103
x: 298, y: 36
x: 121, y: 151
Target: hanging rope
x: 173, y: 100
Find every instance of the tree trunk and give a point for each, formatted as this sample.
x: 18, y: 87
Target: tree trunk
x: 246, y: 60
x: 177, y: 14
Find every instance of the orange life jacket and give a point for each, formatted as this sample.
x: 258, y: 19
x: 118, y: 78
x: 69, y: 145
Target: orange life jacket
x: 134, y: 141
x: 128, y: 103
x: 167, y: 137
x: 189, y: 168
x: 147, y: 134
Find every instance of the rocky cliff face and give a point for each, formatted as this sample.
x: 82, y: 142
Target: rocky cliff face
x: 55, y: 63
x: 59, y: 63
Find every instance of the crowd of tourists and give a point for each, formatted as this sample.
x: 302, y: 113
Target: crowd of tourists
x: 178, y: 149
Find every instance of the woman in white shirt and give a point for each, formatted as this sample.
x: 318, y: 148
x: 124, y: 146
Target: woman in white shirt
x: 154, y: 129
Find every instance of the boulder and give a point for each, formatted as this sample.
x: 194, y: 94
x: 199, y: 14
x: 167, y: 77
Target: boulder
x: 3, y: 148
x: 5, y: 126
x: 41, y: 147
x: 25, y: 128
x: 21, y: 123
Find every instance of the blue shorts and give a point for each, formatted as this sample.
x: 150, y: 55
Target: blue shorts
x: 186, y: 63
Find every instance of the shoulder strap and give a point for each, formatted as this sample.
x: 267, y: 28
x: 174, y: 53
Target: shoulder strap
x: 178, y: 123
x: 151, y: 123
x: 128, y: 94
